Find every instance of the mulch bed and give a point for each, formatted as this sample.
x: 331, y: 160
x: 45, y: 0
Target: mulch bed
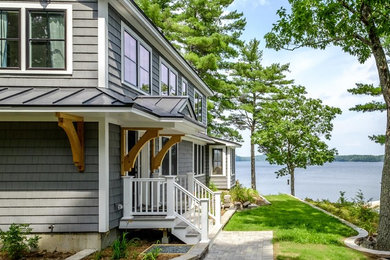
x: 41, y: 255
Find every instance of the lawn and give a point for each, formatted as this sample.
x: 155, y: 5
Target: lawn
x: 300, y: 232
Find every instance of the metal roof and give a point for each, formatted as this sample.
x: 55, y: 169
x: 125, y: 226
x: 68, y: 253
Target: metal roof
x: 65, y: 96
x: 163, y: 105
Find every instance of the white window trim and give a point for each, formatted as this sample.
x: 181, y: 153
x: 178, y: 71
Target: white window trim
x: 137, y: 88
x: 23, y: 38
x: 170, y: 68
x: 183, y: 80
x: 211, y: 147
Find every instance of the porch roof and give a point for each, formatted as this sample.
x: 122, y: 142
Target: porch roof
x: 57, y: 97
x: 215, y: 140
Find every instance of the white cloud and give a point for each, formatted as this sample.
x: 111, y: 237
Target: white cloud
x: 250, y: 3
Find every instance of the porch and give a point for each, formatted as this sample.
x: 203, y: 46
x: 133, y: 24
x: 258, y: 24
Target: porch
x: 180, y: 203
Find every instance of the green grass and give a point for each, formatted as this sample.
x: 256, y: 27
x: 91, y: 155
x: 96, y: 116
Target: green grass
x: 300, y: 232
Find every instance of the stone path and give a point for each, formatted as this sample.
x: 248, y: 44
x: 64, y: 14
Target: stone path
x: 242, y: 245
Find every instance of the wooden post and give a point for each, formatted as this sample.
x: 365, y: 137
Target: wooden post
x: 127, y: 196
x: 218, y: 208
x: 191, y: 182
x: 204, y: 220
x: 170, y: 196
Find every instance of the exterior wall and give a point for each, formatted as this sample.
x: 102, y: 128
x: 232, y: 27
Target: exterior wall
x: 201, y: 178
x: 39, y: 183
x: 116, y: 184
x: 220, y: 181
x: 85, y: 52
x: 185, y: 157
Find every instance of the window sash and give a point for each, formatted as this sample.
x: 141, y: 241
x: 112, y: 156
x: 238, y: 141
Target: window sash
x: 8, y: 40
x: 56, y: 52
x: 217, y: 161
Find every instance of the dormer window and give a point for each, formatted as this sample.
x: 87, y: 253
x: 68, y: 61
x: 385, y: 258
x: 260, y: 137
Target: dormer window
x: 136, y: 61
x: 168, y: 82
x: 9, y: 39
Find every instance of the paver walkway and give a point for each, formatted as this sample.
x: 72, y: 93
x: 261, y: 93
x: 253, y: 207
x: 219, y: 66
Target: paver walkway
x: 243, y: 245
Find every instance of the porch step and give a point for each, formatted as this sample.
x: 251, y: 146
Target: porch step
x: 185, y: 233
x: 140, y: 222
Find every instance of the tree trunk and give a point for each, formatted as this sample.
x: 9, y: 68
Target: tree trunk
x: 253, y: 165
x: 384, y: 79
x: 292, y: 180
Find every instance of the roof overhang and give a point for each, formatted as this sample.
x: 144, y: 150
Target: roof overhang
x: 129, y: 10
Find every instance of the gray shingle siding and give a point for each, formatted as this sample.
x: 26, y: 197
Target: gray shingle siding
x: 39, y: 183
x: 185, y: 157
x: 85, y: 52
x: 116, y: 184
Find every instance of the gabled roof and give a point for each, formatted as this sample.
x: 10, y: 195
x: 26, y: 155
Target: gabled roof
x: 65, y: 96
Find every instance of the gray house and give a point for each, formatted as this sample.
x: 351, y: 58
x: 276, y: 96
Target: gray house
x: 102, y: 127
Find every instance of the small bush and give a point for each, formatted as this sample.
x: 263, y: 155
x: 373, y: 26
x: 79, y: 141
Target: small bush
x: 242, y: 194
x: 15, y: 242
x: 119, y: 247
x: 212, y: 186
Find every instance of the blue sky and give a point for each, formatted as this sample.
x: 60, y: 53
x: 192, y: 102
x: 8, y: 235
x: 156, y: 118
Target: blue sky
x: 326, y: 74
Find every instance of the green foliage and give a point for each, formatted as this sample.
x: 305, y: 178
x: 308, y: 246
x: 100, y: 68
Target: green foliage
x: 291, y: 131
x: 356, y: 211
x: 242, y: 194
x: 300, y: 231
x: 212, y: 186
x: 98, y: 255
x: 207, y: 33
x: 119, y: 247
x: 15, y: 241
x: 359, y: 158
x: 152, y: 254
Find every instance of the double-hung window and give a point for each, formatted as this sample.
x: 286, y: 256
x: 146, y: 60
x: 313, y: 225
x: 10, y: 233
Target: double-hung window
x: 168, y: 82
x: 9, y: 39
x: 184, y: 87
x: 136, y: 61
x: 46, y: 40
x: 34, y: 40
x: 217, y: 161
x: 199, y: 106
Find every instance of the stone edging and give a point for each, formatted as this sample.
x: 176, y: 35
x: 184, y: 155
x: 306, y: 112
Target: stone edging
x: 350, y: 241
x: 82, y: 254
x: 200, y: 250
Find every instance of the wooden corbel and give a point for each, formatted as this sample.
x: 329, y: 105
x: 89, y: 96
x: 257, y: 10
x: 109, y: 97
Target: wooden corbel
x: 157, y: 160
x: 129, y: 159
x: 76, y: 137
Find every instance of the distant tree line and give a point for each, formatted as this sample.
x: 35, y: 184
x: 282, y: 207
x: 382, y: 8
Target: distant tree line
x: 338, y: 158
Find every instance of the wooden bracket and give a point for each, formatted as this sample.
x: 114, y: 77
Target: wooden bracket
x: 76, y: 137
x: 129, y: 160
x: 157, y: 160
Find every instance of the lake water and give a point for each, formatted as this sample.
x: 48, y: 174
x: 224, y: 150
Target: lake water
x: 317, y: 182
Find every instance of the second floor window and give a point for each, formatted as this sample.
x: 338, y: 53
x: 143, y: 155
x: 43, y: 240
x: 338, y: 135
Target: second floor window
x: 46, y: 39
x: 184, y: 88
x: 198, y: 106
x: 168, y: 81
x: 9, y: 39
x: 136, y: 62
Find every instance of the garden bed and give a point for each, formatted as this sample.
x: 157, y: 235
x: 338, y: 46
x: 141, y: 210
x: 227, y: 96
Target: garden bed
x: 41, y: 255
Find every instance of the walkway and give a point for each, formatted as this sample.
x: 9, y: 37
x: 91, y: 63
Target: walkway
x: 242, y: 245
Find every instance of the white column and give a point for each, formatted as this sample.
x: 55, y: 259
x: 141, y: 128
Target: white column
x: 102, y: 43
x: 217, y: 195
x: 128, y: 196
x: 104, y: 177
x: 204, y: 220
x: 191, y: 182
x: 170, y: 196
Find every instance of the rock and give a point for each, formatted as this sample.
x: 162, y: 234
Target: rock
x: 238, y: 205
x: 252, y: 206
x: 246, y: 204
x: 227, y: 205
x: 227, y: 199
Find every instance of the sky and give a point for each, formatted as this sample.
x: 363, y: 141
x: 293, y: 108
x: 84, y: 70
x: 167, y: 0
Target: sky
x: 326, y: 74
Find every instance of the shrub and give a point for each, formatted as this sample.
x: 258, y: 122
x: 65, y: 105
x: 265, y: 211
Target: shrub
x: 212, y: 186
x: 242, y: 194
x: 119, y: 247
x: 15, y: 242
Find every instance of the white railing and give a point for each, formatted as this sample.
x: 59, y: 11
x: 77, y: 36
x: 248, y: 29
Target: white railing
x: 150, y: 199
x: 182, y: 180
x: 201, y: 191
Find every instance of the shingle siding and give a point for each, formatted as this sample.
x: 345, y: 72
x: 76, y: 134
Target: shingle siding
x: 85, y: 52
x: 39, y: 183
x: 116, y: 184
x: 185, y: 157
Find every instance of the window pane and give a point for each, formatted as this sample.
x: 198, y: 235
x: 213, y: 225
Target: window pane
x: 164, y: 80
x: 57, y: 54
x: 184, y: 89
x: 56, y: 25
x: 145, y: 80
x: 130, y: 47
x: 130, y: 72
x: 11, y: 20
x: 39, y: 25
x: 144, y: 58
x: 9, y: 54
x: 39, y: 55
x: 172, y: 84
x: 174, y: 160
x: 217, y: 161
